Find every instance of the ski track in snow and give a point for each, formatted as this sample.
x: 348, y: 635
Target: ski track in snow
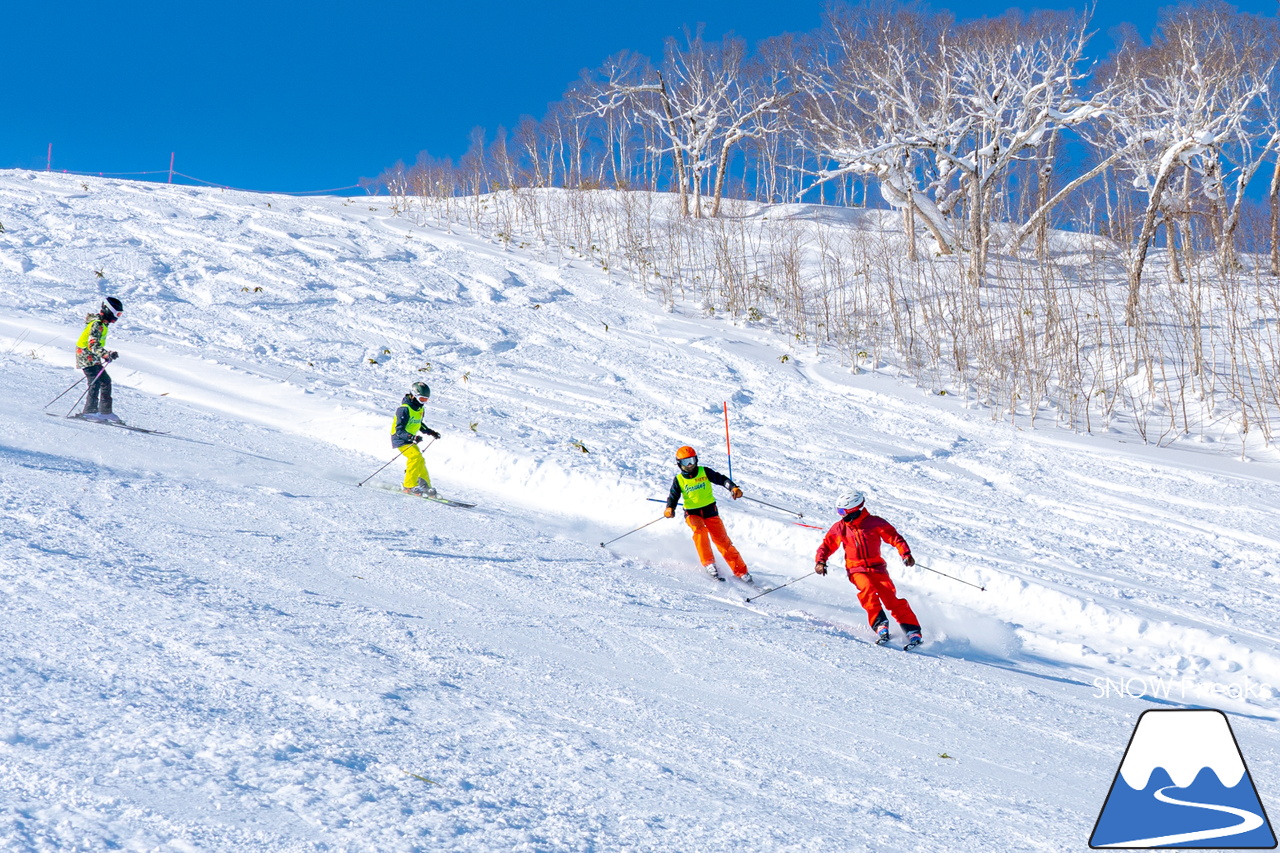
x: 217, y: 642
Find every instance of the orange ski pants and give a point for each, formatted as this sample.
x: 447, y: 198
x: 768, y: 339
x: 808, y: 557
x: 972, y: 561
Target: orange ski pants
x: 876, y: 589
x: 708, y: 530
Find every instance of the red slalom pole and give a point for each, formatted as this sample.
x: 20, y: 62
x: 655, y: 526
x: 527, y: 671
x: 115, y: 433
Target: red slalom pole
x: 727, y: 452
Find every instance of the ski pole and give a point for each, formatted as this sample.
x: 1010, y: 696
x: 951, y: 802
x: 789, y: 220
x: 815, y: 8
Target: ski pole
x: 89, y: 385
x: 629, y: 532
x: 64, y: 393
x: 776, y: 588
x: 773, y: 506
x: 389, y: 461
x: 953, y: 577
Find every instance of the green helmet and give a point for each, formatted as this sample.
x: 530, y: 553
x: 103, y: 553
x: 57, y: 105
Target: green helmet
x: 420, y: 389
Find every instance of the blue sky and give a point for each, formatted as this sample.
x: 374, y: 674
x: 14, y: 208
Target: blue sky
x: 307, y: 96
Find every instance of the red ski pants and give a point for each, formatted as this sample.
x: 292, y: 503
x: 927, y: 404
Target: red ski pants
x: 708, y: 530
x: 876, y: 592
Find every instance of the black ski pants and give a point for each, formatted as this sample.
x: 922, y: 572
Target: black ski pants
x: 98, y: 399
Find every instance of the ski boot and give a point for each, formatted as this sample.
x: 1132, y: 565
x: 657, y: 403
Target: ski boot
x: 745, y: 577
x: 882, y: 632
x: 713, y: 572
x: 422, y: 490
x: 913, y: 639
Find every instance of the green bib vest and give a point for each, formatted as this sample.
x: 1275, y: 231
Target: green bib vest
x: 696, y: 489
x: 414, y: 423
x: 83, y: 340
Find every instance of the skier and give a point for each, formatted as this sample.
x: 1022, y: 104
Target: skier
x: 405, y: 438
x: 861, y: 533
x: 92, y: 356
x: 693, y: 483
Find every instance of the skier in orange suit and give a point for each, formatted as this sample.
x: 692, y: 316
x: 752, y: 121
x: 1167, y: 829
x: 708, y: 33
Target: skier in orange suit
x: 693, y: 483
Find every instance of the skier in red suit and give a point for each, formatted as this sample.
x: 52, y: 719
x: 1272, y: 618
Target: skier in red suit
x: 860, y: 534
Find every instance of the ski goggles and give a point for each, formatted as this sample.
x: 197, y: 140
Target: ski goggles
x: 853, y: 510
x: 688, y: 463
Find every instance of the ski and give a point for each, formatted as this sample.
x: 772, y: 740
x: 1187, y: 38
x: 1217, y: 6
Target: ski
x: 440, y: 500
x: 448, y: 502
x: 436, y: 498
x: 120, y: 425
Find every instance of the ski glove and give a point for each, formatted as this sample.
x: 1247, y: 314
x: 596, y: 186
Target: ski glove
x: 112, y: 356
x: 735, y: 492
x: 417, y: 439
x: 820, y: 568
x: 668, y: 513
x: 908, y: 560
x: 432, y: 433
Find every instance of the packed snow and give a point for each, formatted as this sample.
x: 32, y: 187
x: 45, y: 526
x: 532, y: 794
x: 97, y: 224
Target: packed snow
x: 217, y: 640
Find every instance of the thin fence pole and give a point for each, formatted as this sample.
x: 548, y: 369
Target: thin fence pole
x: 728, y: 452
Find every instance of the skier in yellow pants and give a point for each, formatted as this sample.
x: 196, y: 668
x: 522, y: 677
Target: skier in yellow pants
x: 405, y: 437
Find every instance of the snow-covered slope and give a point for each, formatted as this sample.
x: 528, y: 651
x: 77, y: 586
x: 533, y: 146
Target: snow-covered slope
x: 216, y: 641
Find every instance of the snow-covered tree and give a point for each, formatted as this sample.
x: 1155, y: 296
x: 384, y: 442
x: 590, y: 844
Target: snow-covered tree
x: 1190, y: 100
x: 865, y: 94
x: 1018, y: 81
x: 702, y: 101
x: 939, y: 114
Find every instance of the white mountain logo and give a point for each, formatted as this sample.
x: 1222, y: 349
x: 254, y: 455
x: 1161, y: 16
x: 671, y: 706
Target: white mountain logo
x: 1183, y: 784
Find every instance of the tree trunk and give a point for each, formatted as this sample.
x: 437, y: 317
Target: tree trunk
x: 909, y: 225
x: 1170, y: 232
x: 1044, y: 187
x: 1042, y: 212
x: 1144, y: 242
x: 1275, y: 219
x: 975, y: 231
x: 676, y: 152
x: 722, y: 170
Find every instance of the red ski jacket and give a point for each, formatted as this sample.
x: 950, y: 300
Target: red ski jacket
x: 861, y: 538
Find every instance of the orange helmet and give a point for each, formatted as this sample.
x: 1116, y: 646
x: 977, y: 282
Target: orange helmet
x: 685, y: 452
x: 687, y: 460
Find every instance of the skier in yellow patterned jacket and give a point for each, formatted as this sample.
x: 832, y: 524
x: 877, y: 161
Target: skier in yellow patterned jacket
x: 92, y: 356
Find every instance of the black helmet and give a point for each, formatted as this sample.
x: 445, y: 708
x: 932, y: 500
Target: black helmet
x: 420, y: 389
x: 112, y: 309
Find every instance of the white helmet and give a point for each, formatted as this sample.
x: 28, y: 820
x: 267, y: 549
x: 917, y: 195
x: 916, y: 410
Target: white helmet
x: 850, y: 500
